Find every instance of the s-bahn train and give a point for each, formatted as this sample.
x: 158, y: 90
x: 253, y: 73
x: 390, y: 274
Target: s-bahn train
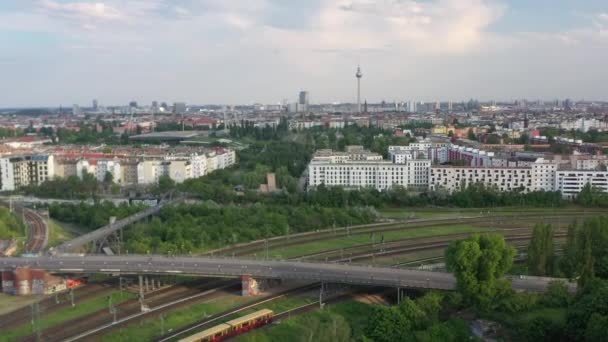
x: 232, y: 328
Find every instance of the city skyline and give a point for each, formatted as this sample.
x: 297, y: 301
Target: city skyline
x: 66, y: 52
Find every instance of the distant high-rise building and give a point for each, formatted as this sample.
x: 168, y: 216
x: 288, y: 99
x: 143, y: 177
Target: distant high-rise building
x: 179, y: 107
x: 76, y: 110
x: 304, y: 99
x: 359, y: 75
x: 95, y: 105
x: 450, y: 106
x: 412, y: 107
x: 133, y: 104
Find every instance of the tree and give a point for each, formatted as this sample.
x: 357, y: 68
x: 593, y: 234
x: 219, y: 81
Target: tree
x: 165, y: 184
x: 471, y: 135
x: 567, y: 264
x: 597, y: 328
x: 479, y: 264
x: 108, y: 178
x: 540, y: 250
x: 493, y: 140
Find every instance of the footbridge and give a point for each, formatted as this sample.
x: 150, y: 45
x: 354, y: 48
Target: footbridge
x: 107, y: 230
x: 226, y: 268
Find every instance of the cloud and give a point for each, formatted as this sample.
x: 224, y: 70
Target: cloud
x: 274, y: 47
x: 81, y: 10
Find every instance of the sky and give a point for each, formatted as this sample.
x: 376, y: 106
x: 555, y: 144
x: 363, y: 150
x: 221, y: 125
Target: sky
x: 64, y: 52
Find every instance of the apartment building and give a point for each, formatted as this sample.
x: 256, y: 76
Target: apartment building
x: 20, y: 171
x: 451, y: 178
x: 359, y: 168
x: 179, y: 170
x: 571, y: 182
x: 112, y: 167
x: 471, y: 156
x: 425, y: 149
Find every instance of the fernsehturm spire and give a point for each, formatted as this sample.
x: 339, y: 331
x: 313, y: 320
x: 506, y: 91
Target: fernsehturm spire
x: 359, y: 75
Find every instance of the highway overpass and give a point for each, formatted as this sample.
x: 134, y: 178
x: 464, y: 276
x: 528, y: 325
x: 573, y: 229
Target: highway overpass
x: 288, y: 270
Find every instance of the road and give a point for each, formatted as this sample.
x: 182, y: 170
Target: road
x: 216, y: 267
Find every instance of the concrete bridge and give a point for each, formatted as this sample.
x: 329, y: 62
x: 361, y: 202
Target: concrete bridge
x: 227, y: 268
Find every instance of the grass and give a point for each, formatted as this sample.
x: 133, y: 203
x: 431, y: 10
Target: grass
x: 151, y: 328
x: 10, y: 303
x: 66, y: 314
x: 430, y: 213
x: 340, y: 322
x: 148, y: 329
x: 57, y: 234
x: 344, y: 242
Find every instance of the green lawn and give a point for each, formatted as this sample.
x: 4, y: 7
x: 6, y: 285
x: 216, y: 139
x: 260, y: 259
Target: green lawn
x: 430, y: 213
x: 344, y: 242
x: 66, y: 314
x: 57, y: 234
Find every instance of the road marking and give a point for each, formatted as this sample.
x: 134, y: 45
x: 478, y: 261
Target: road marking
x: 109, y: 270
x: 174, y: 271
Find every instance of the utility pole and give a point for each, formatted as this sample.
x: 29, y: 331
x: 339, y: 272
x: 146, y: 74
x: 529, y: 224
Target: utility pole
x: 162, y: 324
x: 71, y: 294
x: 321, y: 296
x: 110, y: 303
x: 36, y: 320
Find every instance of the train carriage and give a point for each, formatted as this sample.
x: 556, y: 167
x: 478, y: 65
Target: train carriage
x: 210, y: 335
x: 232, y: 327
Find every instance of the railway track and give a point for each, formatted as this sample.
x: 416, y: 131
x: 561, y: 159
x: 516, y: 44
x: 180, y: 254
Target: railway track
x: 38, y: 235
x: 129, y: 308
x: 310, y: 237
x: 396, y: 248
x: 49, y: 304
x: 190, y: 329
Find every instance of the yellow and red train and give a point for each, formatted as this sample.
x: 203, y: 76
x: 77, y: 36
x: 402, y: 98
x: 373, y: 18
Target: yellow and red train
x: 232, y: 327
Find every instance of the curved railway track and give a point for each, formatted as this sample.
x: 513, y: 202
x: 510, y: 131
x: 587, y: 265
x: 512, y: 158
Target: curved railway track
x: 38, y: 235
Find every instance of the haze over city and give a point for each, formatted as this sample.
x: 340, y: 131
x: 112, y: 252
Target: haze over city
x: 242, y: 52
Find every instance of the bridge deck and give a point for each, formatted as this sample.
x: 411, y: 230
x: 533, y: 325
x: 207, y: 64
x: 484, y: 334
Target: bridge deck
x: 216, y: 267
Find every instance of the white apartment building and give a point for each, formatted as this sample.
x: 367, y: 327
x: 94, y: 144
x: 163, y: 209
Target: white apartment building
x: 88, y: 166
x: 199, y: 165
x: 111, y: 166
x: 19, y: 171
x: 180, y: 170
x: 381, y: 175
x: 359, y: 168
x: 452, y: 178
x: 425, y: 149
x: 543, y: 175
x: 591, y: 163
x: 151, y: 171
x: 570, y: 183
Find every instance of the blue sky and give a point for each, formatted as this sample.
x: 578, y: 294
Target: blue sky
x: 245, y: 51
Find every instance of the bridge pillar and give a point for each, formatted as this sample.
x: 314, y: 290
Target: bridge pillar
x: 250, y: 286
x: 141, y: 288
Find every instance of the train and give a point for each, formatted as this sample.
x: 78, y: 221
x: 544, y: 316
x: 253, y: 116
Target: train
x: 232, y: 327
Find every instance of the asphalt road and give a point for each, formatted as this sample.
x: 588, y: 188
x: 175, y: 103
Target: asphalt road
x: 217, y: 267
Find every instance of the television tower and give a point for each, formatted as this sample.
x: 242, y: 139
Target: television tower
x: 359, y: 75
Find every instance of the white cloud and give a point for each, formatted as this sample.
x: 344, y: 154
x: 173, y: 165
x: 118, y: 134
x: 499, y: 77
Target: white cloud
x: 81, y: 10
x: 166, y: 47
